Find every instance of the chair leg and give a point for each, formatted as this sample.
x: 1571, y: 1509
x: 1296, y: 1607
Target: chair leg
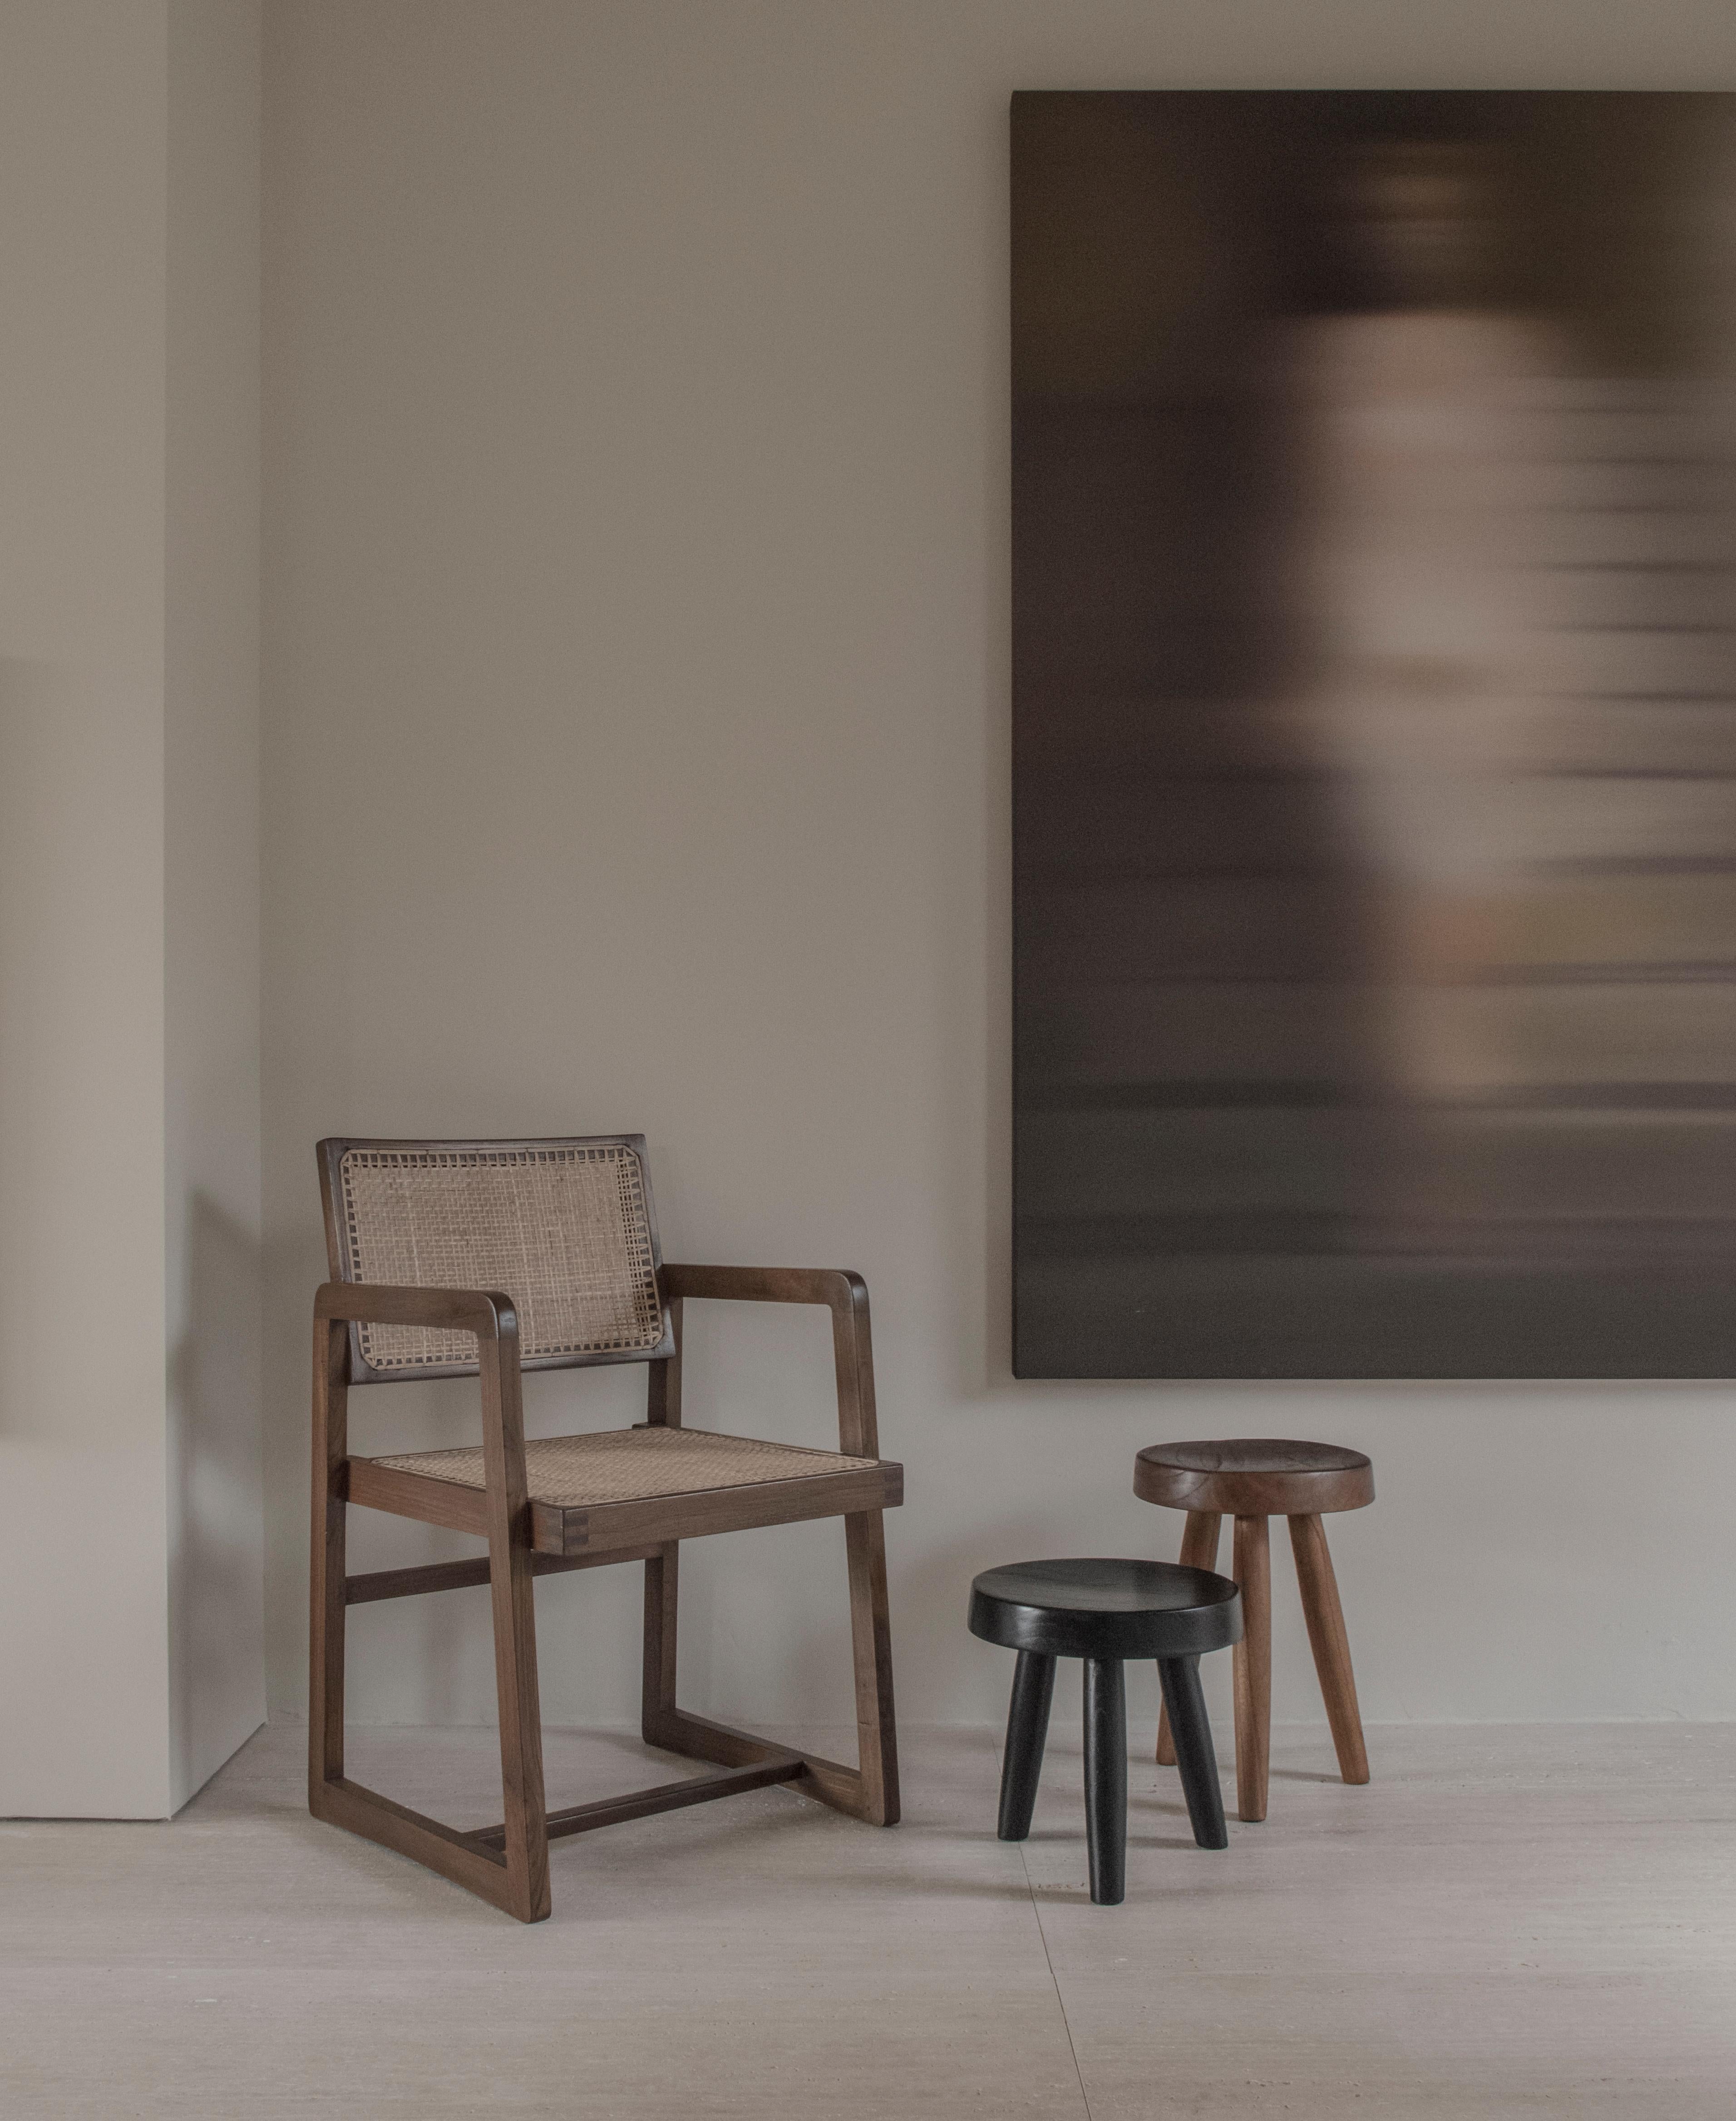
x: 1180, y: 1678
x: 1199, y: 1550
x: 512, y: 1593
x: 325, y: 1653
x: 1027, y: 1727
x: 1331, y: 1645
x: 871, y: 1634
x: 326, y: 1606
x: 522, y: 1735
x: 1106, y: 1779
x: 868, y: 1791
x: 1252, y: 1667
x: 662, y: 1606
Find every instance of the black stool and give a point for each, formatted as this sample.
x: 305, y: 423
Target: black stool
x: 1105, y: 1612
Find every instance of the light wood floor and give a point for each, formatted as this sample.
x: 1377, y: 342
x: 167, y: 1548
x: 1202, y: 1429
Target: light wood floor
x: 1513, y: 1921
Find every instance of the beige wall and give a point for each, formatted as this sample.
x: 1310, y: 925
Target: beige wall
x: 129, y: 951
x: 83, y: 223
x: 211, y: 887
x: 635, y: 756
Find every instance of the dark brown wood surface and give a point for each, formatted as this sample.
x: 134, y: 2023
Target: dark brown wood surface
x: 378, y: 1583
x: 447, y: 1502
x: 1250, y: 1666
x: 1199, y: 1550
x: 664, y: 1796
x: 1253, y: 1479
x: 326, y: 1588
x: 508, y: 1865
x: 1242, y: 1477
x: 1330, y: 1643
x: 697, y: 1514
x: 510, y: 1594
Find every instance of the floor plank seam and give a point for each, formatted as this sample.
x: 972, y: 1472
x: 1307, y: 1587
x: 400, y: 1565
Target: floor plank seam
x: 1084, y: 2096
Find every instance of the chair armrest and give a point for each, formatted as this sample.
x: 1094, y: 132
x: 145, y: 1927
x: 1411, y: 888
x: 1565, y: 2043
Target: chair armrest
x: 485, y: 1313
x: 834, y: 1286
x: 845, y: 1295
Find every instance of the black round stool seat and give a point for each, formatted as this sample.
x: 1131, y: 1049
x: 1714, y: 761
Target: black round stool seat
x: 1105, y: 1609
x: 1104, y: 1612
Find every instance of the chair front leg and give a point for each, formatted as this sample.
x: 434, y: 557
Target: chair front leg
x: 515, y: 1635
x: 326, y: 1603
x: 871, y: 1632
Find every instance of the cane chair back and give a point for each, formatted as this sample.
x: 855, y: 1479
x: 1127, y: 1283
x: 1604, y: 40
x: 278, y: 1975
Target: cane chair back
x: 564, y: 1228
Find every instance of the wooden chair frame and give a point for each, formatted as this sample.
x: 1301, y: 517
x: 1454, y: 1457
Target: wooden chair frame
x: 508, y: 1864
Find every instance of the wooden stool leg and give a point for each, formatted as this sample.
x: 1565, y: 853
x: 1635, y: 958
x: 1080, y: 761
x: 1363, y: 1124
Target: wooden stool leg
x: 1180, y: 1679
x: 1252, y: 1667
x: 1199, y: 1550
x: 1027, y: 1727
x: 1106, y: 1779
x: 1332, y: 1646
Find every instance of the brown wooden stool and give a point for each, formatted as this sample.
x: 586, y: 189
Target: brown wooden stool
x: 1251, y: 1481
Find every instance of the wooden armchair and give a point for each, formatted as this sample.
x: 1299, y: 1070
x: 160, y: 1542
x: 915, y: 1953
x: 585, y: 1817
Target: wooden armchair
x: 464, y: 1258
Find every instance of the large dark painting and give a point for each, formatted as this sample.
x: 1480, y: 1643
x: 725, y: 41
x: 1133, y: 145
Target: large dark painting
x: 1374, y: 735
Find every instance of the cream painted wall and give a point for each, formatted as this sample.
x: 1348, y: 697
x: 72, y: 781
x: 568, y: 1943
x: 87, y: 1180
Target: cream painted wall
x: 129, y: 1514
x: 83, y: 1648
x: 210, y: 888
x: 635, y: 756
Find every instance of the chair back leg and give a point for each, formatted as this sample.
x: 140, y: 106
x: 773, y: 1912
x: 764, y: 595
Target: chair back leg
x: 657, y: 1710
x: 511, y: 1584
x: 871, y: 1634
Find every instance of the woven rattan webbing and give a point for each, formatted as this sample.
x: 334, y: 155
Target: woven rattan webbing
x: 626, y: 1465
x: 564, y: 1231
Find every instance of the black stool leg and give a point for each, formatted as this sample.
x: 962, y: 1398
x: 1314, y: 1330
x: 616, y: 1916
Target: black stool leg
x: 1027, y: 1727
x: 1180, y: 1679
x: 1106, y: 1778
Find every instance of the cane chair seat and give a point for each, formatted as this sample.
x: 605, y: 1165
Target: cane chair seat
x: 625, y: 1489
x: 632, y: 1464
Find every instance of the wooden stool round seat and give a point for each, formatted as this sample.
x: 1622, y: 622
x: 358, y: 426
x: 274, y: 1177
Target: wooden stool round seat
x: 1105, y: 1612
x: 1250, y: 1480
x: 1250, y: 1477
